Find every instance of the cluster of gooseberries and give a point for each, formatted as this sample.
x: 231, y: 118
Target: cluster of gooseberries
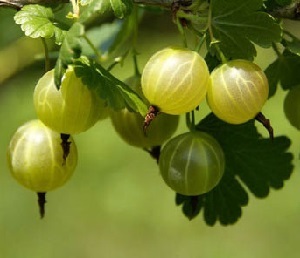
x: 176, y: 81
x: 42, y: 155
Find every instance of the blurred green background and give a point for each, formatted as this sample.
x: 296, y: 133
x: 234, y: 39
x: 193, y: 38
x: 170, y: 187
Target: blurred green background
x: 116, y: 204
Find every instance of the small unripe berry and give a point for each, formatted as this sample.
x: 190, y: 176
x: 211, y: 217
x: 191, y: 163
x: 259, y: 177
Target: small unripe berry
x: 192, y: 163
x: 129, y: 126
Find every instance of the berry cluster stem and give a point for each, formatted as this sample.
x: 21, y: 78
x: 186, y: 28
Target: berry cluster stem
x: 266, y: 123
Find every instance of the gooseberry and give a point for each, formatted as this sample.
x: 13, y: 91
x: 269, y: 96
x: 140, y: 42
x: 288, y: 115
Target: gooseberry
x: 40, y: 160
x: 72, y: 109
x: 36, y: 157
x: 237, y: 91
x: 192, y: 163
x: 129, y: 125
x: 175, y: 80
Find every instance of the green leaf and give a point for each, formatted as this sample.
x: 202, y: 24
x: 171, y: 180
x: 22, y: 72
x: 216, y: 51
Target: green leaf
x: 285, y: 70
x: 99, y: 9
x: 253, y: 164
x: 292, y: 43
x: 120, y: 42
x: 108, y: 33
x: 116, y: 94
x: 94, y: 9
x: 211, y: 61
x: 283, y: 2
x: 121, y: 7
x: 69, y: 51
x: 38, y: 21
x: 237, y: 25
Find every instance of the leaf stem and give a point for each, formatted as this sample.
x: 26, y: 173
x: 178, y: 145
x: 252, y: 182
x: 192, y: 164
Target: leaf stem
x: 190, y: 120
x: 46, y: 51
x: 276, y: 50
x: 135, y: 63
x: 181, y: 30
x: 134, y: 41
x: 117, y: 60
x: 93, y: 47
x: 209, y: 28
x: 213, y: 41
x: 201, y: 41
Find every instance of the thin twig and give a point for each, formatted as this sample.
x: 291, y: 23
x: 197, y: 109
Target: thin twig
x: 18, y: 4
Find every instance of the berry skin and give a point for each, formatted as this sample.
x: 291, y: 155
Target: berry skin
x: 36, y: 157
x: 129, y: 125
x: 237, y: 91
x: 292, y: 106
x: 71, y: 109
x: 192, y: 163
x: 175, y: 80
